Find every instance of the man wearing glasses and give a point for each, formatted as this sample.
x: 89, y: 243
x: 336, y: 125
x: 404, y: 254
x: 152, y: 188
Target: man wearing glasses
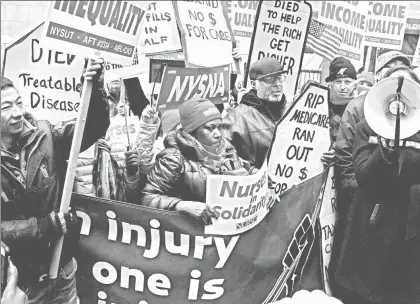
x: 253, y: 121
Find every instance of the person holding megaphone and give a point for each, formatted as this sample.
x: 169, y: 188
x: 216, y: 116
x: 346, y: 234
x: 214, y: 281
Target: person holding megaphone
x: 379, y: 258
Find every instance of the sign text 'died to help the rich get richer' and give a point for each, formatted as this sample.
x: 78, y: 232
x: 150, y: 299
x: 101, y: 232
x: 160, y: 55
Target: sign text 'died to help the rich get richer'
x: 280, y: 32
x: 108, y: 29
x: 300, y: 139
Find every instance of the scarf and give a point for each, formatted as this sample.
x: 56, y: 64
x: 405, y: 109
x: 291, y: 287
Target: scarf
x: 216, y: 159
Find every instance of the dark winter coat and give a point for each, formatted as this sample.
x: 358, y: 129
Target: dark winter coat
x: 345, y: 140
x: 380, y: 256
x: 180, y: 173
x: 32, y: 184
x: 252, y: 124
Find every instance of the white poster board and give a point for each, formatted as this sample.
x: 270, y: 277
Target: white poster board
x: 349, y: 19
x: 386, y: 24
x: 205, y: 33
x: 107, y: 29
x: 242, y: 18
x: 47, y: 80
x: 280, y: 32
x: 160, y: 33
x: 239, y: 201
x: 300, y: 139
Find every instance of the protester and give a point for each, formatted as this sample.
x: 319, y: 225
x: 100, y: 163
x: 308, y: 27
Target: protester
x: 33, y: 160
x: 253, y: 121
x: 178, y: 179
x: 387, y: 60
x: 380, y: 257
x: 366, y: 79
x: 345, y: 137
x: 348, y: 185
x: 12, y: 293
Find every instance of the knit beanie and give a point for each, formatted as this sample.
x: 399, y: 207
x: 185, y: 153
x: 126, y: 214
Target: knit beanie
x: 196, y: 112
x: 387, y: 57
x: 341, y: 68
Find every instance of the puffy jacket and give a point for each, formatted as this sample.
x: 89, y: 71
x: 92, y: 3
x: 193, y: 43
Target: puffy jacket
x: 148, y: 146
x: 345, y: 141
x: 32, y: 183
x: 252, y: 124
x: 180, y: 173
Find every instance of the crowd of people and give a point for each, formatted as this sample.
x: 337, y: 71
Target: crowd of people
x: 373, y: 261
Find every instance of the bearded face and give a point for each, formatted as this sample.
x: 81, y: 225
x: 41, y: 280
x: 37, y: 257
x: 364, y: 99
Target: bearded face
x: 270, y: 88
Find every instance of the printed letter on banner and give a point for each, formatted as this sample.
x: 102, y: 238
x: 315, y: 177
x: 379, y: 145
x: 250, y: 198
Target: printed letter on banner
x: 242, y: 17
x: 160, y: 32
x: 349, y: 19
x: 180, y: 84
x: 107, y: 29
x: 241, y: 202
x: 280, y: 32
x: 386, y: 24
x: 47, y: 80
x: 205, y: 32
x: 300, y: 139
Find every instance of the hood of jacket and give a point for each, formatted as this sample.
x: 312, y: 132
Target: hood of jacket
x: 272, y: 110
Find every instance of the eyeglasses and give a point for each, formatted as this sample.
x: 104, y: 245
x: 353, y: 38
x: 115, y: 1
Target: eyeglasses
x: 273, y: 79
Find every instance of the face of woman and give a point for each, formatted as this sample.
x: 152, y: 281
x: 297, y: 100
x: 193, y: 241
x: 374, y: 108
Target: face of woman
x: 404, y: 73
x: 209, y: 134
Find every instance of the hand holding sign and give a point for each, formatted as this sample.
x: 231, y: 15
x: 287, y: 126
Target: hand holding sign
x: 197, y: 210
x: 94, y: 69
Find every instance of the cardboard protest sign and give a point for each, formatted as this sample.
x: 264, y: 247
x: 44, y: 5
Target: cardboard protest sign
x: 300, y: 139
x: 416, y: 57
x: 386, y: 24
x: 205, y: 32
x: 327, y: 221
x: 241, y: 202
x: 107, y: 29
x: 242, y: 17
x: 180, y: 84
x: 160, y: 32
x: 133, y: 254
x: 47, y: 80
x: 349, y: 19
x: 280, y: 32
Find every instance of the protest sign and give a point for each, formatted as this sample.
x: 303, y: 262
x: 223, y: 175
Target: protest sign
x: 386, y: 24
x: 160, y: 32
x: 47, y: 80
x: 239, y: 201
x: 157, y: 66
x: 180, y: 84
x: 107, y: 29
x: 327, y: 221
x: 300, y: 139
x: 280, y: 32
x: 416, y: 57
x: 347, y: 18
x: 205, y: 32
x: 129, y: 254
x: 242, y: 17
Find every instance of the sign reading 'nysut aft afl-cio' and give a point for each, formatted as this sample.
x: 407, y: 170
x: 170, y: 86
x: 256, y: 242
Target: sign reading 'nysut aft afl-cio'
x: 108, y: 29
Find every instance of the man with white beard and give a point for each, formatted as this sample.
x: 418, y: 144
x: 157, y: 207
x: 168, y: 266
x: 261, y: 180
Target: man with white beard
x: 253, y: 121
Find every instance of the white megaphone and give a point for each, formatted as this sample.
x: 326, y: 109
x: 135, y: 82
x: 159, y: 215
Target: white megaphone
x: 382, y: 103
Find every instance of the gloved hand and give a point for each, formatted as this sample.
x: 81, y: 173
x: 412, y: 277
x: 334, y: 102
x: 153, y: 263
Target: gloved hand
x: 56, y: 224
x: 132, y: 162
x: 150, y: 116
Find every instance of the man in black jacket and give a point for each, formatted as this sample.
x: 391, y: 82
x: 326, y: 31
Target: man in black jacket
x: 253, y: 121
x: 33, y: 167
